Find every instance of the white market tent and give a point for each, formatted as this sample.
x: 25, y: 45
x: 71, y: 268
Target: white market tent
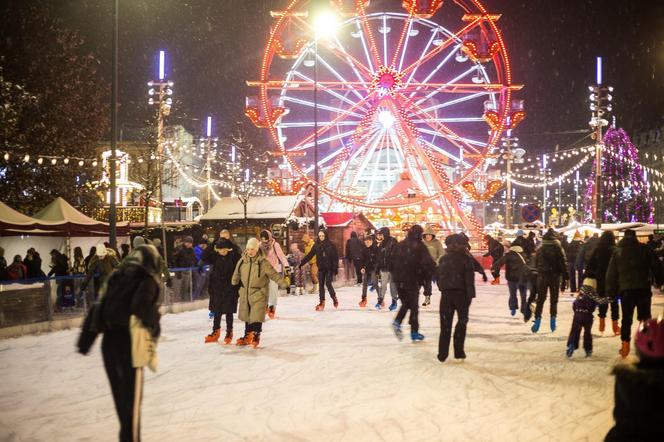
x: 264, y: 207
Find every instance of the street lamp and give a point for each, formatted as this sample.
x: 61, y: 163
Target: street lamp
x: 325, y: 25
x: 510, y: 156
x: 600, y: 104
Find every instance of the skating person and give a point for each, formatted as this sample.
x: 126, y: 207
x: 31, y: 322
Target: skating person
x: 327, y: 259
x: 253, y: 274
x: 584, y: 307
x: 456, y: 281
x: 384, y: 244
x: 129, y: 312
x: 186, y: 258
x: 477, y: 266
x: 308, y: 244
x: 496, y: 251
x: 368, y: 266
x: 551, y: 265
x: 354, y: 255
x: 639, y: 388
x: 516, y: 274
x: 412, y: 267
x: 572, y: 252
x: 297, y: 277
x: 632, y: 269
x: 436, y: 250
x: 226, y: 234
x: 272, y: 251
x: 598, y: 265
x: 223, y: 294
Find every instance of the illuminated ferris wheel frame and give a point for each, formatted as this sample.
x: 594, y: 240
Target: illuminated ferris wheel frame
x: 381, y: 98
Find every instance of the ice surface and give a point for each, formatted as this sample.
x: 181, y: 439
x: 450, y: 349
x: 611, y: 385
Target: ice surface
x: 335, y: 375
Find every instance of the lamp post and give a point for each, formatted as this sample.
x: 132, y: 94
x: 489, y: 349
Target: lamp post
x: 160, y: 93
x: 510, y: 156
x: 210, y: 143
x: 112, y: 210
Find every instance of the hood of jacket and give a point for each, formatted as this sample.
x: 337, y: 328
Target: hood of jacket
x: 517, y: 249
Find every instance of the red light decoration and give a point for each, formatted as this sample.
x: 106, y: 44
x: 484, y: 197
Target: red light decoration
x: 491, y: 188
x: 422, y: 8
x: 286, y: 54
x: 387, y: 81
x: 492, y: 118
x: 263, y: 123
x: 471, y: 49
x: 348, y: 7
x: 516, y: 118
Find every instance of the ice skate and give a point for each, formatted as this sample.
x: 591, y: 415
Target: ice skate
x: 335, y: 301
x: 363, y: 302
x: 212, y: 337
x: 379, y: 305
x: 320, y: 306
x: 256, y: 339
x: 210, y: 315
x: 393, y: 306
x: 552, y: 323
x: 228, y: 338
x: 570, y: 351
x: 246, y: 339
x: 427, y: 300
x: 271, y: 311
x: 460, y: 355
x: 416, y: 337
x: 397, y: 330
x: 496, y: 281
x: 616, y: 328
x: 589, y: 353
x: 624, y: 349
x: 536, y: 325
x: 314, y: 289
x: 513, y: 311
x: 602, y: 325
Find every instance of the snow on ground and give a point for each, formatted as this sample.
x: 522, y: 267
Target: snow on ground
x: 336, y: 375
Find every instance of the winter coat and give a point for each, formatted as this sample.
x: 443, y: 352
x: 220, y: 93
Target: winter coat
x: 3, y: 268
x: 33, y: 266
x: 496, y: 249
x: 516, y: 269
x: 307, y: 248
x: 598, y: 264
x: 78, y: 267
x: 384, y: 255
x: 186, y: 257
x: 99, y: 268
x: 60, y: 266
x: 297, y: 275
x: 17, y: 272
x: 253, y: 275
x: 435, y: 248
x: 587, y: 300
x: 572, y: 251
x: 412, y: 265
x: 369, y: 257
x: 223, y: 294
x: 274, y: 254
x: 633, y: 266
x: 550, y: 259
x: 638, y: 406
x: 354, y: 248
x: 456, y: 271
x: 326, y: 256
x: 522, y: 242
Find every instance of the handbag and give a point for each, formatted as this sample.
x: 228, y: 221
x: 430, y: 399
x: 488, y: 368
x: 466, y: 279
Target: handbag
x: 143, y: 346
x: 526, y: 272
x: 92, y: 326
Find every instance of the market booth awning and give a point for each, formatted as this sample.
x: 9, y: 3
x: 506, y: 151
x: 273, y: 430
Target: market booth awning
x: 65, y: 218
x: 264, y: 207
x: 13, y: 222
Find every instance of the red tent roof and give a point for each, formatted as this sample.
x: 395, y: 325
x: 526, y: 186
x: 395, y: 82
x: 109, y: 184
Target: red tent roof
x: 336, y: 219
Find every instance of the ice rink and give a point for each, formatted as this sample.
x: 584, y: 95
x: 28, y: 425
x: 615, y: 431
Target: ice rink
x: 335, y: 375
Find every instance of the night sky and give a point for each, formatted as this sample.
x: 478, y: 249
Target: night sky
x: 215, y: 45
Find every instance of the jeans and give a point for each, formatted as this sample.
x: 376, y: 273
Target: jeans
x: 273, y: 293
x: 368, y: 278
x: 513, y: 304
x: 185, y: 286
x: 581, y: 320
x: 386, y: 281
x: 453, y: 301
x: 575, y: 275
x: 630, y: 300
x: 615, y: 310
x: 216, y: 325
x: 410, y: 298
x: 357, y: 264
x: 547, y: 282
x: 325, y: 280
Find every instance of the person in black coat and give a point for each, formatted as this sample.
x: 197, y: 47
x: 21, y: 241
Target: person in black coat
x: 223, y: 295
x: 496, y: 251
x: 516, y: 274
x: 412, y: 266
x: 185, y: 258
x: 327, y: 259
x: 598, y: 265
x: 354, y: 254
x: 551, y: 265
x: 33, y: 263
x: 456, y: 283
x: 367, y: 266
x: 133, y: 289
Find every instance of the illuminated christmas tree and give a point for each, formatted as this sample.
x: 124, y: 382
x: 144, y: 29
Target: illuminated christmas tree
x: 625, y: 196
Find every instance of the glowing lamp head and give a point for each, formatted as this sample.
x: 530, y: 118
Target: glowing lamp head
x: 325, y: 24
x: 386, y: 119
x: 162, y: 63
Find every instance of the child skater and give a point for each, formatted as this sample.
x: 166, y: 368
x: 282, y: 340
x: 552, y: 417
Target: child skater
x: 297, y: 278
x: 584, y: 307
x: 368, y: 266
x: 253, y: 273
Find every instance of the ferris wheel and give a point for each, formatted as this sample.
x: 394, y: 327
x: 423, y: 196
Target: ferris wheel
x: 418, y: 92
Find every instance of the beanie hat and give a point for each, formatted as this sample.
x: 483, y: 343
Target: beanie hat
x: 188, y: 239
x: 156, y: 242
x: 253, y: 244
x: 577, y: 235
x: 138, y: 241
x: 590, y: 282
x: 520, y: 232
x: 223, y: 244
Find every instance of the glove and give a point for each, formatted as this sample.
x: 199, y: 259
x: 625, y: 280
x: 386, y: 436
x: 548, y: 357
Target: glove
x: 484, y: 277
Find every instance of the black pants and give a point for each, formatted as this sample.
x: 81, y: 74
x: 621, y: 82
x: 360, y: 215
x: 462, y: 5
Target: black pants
x: 582, y: 320
x: 217, y: 322
x: 630, y: 300
x: 453, y: 301
x: 116, y: 351
x: 357, y: 263
x: 547, y: 282
x: 615, y: 310
x: 325, y: 280
x: 255, y: 327
x: 410, y: 300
